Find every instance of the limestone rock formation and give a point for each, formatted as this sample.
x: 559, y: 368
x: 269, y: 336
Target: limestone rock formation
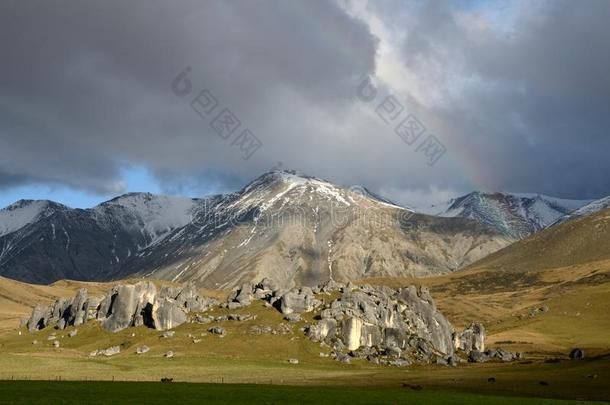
x: 124, y: 306
x: 394, y: 327
x: 472, y: 338
x: 40, y: 317
x: 167, y: 314
x: 386, y: 320
x: 298, y: 300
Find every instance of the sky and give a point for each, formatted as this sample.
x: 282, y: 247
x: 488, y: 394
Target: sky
x: 419, y: 101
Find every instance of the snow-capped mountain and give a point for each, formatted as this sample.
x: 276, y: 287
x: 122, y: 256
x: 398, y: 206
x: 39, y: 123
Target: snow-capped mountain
x: 24, y: 212
x: 42, y: 241
x: 515, y: 215
x: 591, y: 208
x: 298, y: 230
x: 293, y: 228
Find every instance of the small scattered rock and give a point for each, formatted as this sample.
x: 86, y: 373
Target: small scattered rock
x: 56, y: 343
x: 218, y: 331
x: 111, y: 351
x: 142, y: 349
x: 169, y: 354
x: 343, y: 358
x: 294, y: 317
x: 73, y: 333
x: 491, y: 379
x: 168, y: 334
x: 204, y: 319
x: 293, y: 361
x: 577, y: 354
x: 400, y: 363
x: 35, y: 342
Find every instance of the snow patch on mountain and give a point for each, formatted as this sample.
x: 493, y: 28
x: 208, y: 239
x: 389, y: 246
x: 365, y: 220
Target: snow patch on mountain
x: 21, y: 214
x: 515, y: 214
x: 155, y: 215
x: 591, y: 208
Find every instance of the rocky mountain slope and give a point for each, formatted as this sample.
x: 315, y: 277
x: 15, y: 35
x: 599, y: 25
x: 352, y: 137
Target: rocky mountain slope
x: 292, y: 228
x: 300, y: 230
x: 514, y: 215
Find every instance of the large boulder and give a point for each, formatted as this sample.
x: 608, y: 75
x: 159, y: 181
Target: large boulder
x: 60, y: 312
x: 39, y: 318
x: 167, y: 314
x: 298, y: 300
x: 244, y: 295
x: 105, y: 304
x: 130, y: 305
x: 351, y: 333
x: 370, y: 336
x: 189, y: 299
x: 266, y: 289
x: 428, y: 323
x: 326, y: 328
x: 122, y: 309
x: 471, y: 338
x: 146, y: 294
x: 79, y: 308
x: 93, y: 304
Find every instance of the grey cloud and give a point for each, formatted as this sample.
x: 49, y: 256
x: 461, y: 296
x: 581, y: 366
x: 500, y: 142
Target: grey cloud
x: 86, y: 91
x: 537, y: 105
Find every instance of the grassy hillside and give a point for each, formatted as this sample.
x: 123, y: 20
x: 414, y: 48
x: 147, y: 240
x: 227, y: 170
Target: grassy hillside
x: 580, y: 241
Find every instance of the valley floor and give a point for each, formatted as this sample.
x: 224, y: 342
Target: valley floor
x: 576, y: 302
x: 45, y: 392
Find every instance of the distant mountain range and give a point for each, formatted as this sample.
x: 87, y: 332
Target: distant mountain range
x: 292, y: 228
x: 585, y: 240
x: 514, y: 215
x: 42, y: 241
x: 588, y: 209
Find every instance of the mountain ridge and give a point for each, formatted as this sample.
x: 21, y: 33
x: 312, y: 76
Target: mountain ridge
x: 514, y: 214
x: 284, y: 225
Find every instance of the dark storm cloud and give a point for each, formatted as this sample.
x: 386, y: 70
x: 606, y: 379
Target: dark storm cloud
x: 85, y: 92
x: 86, y: 85
x: 535, y: 102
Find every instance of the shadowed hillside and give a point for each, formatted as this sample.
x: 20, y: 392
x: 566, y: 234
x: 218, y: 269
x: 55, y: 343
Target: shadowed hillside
x: 580, y: 241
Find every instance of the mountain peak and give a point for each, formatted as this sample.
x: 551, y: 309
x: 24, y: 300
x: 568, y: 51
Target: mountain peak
x: 24, y: 212
x: 515, y: 214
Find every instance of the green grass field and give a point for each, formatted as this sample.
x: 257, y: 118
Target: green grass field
x: 79, y: 392
x: 244, y: 358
